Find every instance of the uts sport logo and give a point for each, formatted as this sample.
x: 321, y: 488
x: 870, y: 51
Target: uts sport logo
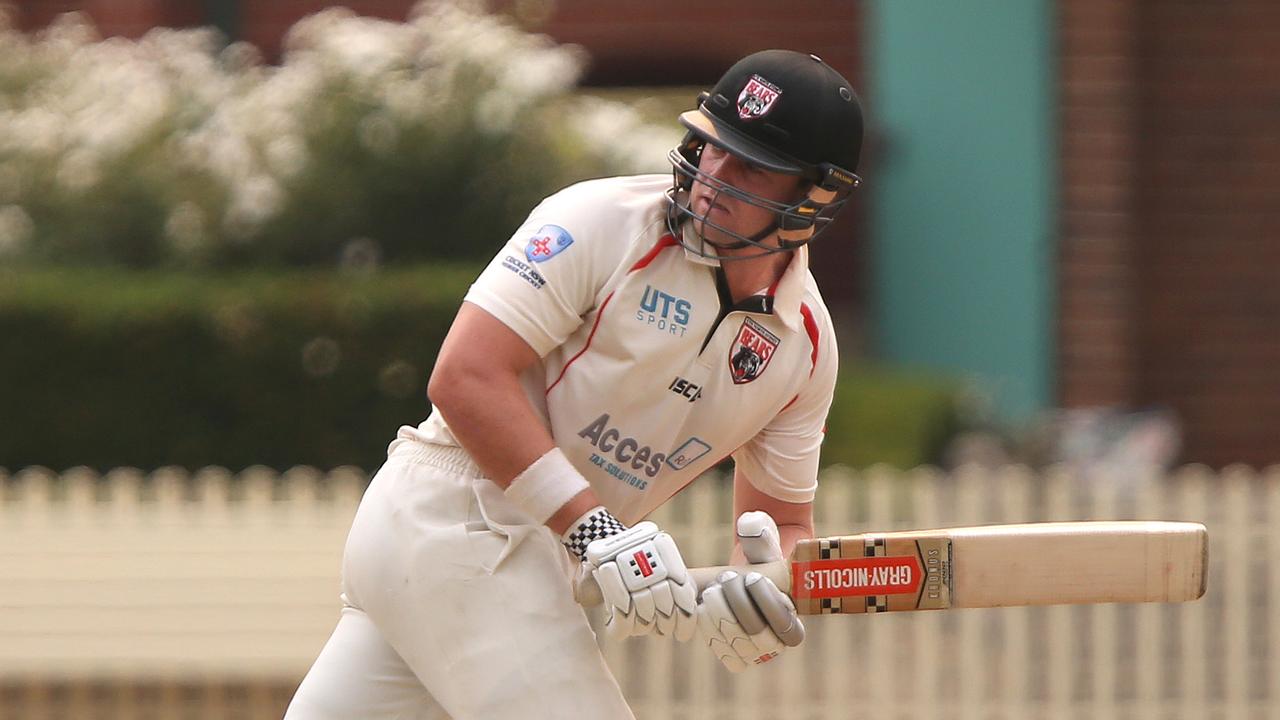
x: 751, y: 352
x: 757, y: 98
x: 664, y: 311
x: 547, y: 243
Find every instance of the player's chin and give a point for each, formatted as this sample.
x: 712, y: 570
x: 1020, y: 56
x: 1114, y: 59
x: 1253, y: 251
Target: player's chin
x: 717, y: 239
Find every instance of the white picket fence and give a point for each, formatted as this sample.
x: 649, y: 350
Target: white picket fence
x: 181, y: 576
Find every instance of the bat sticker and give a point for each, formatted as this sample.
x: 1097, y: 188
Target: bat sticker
x: 857, y: 577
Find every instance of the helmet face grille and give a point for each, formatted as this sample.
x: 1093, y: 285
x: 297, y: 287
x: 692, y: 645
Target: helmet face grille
x: 796, y: 223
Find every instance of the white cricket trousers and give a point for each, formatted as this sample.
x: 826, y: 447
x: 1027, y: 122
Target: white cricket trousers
x: 455, y: 606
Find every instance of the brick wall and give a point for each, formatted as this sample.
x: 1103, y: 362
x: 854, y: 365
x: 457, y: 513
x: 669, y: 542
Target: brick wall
x: 127, y: 18
x: 657, y: 42
x: 1097, y: 358
x: 264, y: 22
x: 1209, y: 203
x: 1171, y: 217
x: 676, y: 42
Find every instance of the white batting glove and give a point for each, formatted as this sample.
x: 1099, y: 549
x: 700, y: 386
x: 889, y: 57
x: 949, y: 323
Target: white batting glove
x: 641, y: 575
x: 747, y: 620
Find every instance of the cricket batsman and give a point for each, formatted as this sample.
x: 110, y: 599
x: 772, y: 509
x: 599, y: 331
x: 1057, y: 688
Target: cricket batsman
x: 631, y: 334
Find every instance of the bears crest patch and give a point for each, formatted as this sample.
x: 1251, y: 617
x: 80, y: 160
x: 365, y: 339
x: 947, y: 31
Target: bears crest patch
x: 751, y: 351
x: 757, y: 98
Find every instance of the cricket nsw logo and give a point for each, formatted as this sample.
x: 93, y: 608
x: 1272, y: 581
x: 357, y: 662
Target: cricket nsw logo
x: 547, y: 243
x: 751, y: 351
x: 757, y: 98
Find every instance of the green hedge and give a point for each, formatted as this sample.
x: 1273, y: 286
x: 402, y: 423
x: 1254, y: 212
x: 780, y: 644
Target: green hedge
x: 109, y: 368
x: 889, y: 415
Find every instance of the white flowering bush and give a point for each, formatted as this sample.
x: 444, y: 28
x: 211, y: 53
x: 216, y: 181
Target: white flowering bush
x: 372, y: 140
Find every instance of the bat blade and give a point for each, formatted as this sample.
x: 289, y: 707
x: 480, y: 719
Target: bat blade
x: 1052, y: 563
x: 1000, y: 566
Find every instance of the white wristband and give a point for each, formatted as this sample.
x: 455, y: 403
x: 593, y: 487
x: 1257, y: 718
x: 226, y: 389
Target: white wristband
x: 546, y: 485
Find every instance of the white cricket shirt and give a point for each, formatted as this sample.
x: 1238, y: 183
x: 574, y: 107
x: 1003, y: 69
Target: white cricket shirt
x: 648, y: 377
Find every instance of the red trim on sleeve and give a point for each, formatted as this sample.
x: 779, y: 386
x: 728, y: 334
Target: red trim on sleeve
x: 594, y: 326
x: 811, y: 327
x: 792, y: 402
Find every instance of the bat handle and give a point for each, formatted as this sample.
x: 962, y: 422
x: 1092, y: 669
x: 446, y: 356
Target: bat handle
x: 587, y: 592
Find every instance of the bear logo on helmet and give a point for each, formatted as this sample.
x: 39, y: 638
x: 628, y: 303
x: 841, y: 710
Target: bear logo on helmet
x: 757, y: 98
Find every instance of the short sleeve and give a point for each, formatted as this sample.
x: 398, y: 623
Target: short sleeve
x: 781, y: 460
x: 546, y: 277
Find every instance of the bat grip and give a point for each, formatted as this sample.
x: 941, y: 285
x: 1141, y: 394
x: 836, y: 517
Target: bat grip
x: 587, y: 592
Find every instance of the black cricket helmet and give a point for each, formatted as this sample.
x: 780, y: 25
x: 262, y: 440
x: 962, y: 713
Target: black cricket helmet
x: 786, y: 112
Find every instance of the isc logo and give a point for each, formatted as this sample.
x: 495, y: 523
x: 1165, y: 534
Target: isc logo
x: 685, y: 389
x: 665, y: 312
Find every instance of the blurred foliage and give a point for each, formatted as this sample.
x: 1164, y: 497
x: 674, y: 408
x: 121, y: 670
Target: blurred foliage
x: 888, y: 415
x: 373, y: 144
x: 372, y: 141
x: 146, y: 369
x: 108, y: 368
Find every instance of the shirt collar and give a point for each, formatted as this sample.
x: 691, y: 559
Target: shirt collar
x: 691, y: 239
x: 787, y: 293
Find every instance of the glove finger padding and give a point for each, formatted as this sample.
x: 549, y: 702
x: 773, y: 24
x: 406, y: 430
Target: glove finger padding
x: 686, y: 599
x: 677, y: 607
x: 725, y: 636
x: 740, y: 603
x: 645, y: 583
x: 614, y: 590
x: 663, y: 598
x: 645, y: 610
x: 670, y: 555
x: 776, y: 607
x: 620, y: 624
x: 758, y: 537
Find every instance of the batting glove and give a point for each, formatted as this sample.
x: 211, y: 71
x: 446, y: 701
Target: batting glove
x: 641, y: 575
x: 745, y: 619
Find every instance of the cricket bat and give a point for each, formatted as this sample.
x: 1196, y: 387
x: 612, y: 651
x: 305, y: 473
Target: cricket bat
x: 1052, y: 563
